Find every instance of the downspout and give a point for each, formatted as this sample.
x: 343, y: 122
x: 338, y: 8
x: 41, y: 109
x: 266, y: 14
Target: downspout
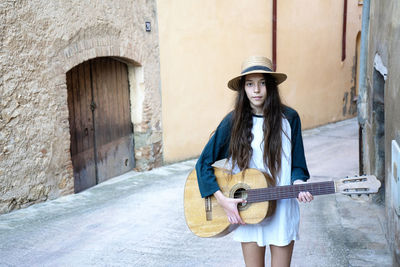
x: 344, y: 30
x: 362, y: 91
x: 274, y: 22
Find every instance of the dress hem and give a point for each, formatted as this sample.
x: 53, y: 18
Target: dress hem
x: 273, y: 243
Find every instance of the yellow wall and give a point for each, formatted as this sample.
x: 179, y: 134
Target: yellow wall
x: 202, y: 45
x: 310, y: 51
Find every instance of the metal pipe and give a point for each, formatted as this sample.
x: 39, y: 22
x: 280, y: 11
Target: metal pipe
x: 362, y: 90
x: 344, y: 30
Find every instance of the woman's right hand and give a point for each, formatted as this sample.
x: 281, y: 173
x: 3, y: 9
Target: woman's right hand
x: 230, y: 207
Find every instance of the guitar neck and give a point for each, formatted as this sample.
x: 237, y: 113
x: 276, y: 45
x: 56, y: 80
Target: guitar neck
x: 289, y: 191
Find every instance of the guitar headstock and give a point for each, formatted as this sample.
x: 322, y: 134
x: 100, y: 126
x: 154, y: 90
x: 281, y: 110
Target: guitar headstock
x: 365, y: 184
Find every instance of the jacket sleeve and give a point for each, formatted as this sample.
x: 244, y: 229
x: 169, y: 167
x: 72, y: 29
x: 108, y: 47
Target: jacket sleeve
x: 216, y: 149
x: 299, y: 165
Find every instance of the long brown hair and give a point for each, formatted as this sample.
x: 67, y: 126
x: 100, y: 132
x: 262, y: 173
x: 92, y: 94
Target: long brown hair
x: 240, y: 150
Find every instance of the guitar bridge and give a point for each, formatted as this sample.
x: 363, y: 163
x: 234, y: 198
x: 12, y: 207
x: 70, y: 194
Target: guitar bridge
x: 208, y: 204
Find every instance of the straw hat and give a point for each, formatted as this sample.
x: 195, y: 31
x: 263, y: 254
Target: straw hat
x: 256, y: 64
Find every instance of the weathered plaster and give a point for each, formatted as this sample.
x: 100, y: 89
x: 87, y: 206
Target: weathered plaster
x: 41, y: 41
x: 383, y: 55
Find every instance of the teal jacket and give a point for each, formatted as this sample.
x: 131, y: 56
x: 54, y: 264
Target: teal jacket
x: 217, y: 148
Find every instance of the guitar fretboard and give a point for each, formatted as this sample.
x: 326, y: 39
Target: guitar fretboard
x: 289, y: 191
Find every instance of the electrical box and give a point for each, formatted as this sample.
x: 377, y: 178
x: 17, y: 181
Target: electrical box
x: 396, y: 176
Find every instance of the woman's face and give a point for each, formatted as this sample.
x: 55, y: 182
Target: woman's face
x: 256, y: 91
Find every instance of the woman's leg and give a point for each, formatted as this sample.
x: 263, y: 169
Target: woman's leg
x: 281, y: 256
x: 253, y: 254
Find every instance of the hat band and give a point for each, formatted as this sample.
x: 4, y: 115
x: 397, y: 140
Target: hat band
x: 256, y: 68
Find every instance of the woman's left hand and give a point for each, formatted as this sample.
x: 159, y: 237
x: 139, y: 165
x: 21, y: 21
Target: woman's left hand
x: 305, y: 197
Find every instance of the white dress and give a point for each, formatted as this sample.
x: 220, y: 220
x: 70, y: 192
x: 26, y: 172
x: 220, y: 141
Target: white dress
x: 283, y: 226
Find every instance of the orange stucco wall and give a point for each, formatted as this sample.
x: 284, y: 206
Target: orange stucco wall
x: 202, y: 44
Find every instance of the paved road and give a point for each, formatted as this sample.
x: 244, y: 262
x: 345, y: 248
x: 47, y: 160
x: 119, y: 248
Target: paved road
x: 137, y: 220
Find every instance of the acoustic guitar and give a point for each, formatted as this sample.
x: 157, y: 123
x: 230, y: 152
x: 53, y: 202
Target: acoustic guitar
x: 205, y: 218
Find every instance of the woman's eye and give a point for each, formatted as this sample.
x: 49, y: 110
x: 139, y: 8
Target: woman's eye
x: 249, y: 84
x: 262, y: 83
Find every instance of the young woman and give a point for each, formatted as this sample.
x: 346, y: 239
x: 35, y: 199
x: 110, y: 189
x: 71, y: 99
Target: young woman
x: 264, y: 134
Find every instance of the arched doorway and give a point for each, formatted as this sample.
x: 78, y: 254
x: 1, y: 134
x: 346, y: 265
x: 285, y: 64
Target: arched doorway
x: 102, y: 144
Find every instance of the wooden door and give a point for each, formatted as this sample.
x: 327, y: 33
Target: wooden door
x: 100, y: 123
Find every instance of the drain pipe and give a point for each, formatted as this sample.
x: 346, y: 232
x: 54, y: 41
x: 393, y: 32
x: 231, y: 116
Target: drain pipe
x: 344, y: 30
x: 362, y: 91
x: 362, y: 94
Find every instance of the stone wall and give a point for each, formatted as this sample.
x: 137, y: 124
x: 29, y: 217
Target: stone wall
x: 382, y: 109
x: 41, y: 40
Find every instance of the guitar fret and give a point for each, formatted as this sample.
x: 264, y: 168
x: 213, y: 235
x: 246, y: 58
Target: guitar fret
x: 289, y: 191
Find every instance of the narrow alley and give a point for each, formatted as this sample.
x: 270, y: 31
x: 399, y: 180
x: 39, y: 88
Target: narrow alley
x: 137, y: 219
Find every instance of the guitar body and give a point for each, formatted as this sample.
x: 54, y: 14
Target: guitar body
x: 205, y: 218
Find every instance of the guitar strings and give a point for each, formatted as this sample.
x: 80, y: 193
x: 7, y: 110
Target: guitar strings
x: 280, y: 192
x: 268, y: 197
x: 295, y: 188
x: 275, y: 196
x: 291, y: 191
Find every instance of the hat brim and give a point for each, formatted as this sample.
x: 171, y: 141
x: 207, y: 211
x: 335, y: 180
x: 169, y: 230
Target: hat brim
x: 234, y: 84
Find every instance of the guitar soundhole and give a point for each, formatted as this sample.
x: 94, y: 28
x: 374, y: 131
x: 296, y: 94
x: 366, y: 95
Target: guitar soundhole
x: 241, y: 193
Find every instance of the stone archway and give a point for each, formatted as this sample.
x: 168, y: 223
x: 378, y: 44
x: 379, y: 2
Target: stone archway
x: 145, y: 95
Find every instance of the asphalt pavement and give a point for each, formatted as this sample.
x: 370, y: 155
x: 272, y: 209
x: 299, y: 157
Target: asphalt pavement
x: 137, y: 219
